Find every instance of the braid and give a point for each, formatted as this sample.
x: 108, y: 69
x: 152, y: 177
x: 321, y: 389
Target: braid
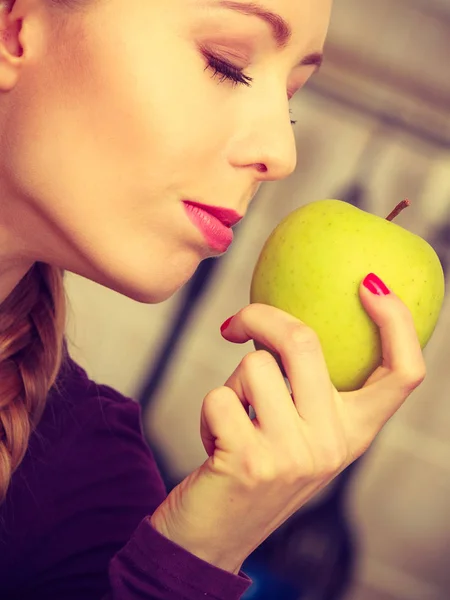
x: 32, y: 348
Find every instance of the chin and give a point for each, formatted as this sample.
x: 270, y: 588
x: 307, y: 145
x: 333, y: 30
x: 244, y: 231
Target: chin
x: 146, y: 291
x: 148, y: 296
x: 148, y: 276
x: 147, y: 286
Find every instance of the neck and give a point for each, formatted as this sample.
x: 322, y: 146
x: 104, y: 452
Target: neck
x: 14, y: 261
x: 10, y: 276
x: 13, y: 264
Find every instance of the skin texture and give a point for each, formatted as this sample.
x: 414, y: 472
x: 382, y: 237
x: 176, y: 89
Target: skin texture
x: 108, y: 119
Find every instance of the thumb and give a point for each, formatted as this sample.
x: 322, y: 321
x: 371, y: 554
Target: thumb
x: 400, y: 345
x: 373, y: 289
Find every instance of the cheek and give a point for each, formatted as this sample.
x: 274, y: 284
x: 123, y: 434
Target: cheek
x: 153, y: 91
x: 140, y: 103
x: 115, y: 119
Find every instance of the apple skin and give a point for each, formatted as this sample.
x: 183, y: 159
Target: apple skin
x: 312, y: 264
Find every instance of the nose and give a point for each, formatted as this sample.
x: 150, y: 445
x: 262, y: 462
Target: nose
x: 266, y: 146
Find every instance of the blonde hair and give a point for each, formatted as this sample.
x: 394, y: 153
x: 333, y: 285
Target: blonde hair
x: 32, y: 348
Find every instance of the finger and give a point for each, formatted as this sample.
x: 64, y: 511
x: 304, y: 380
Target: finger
x: 224, y: 423
x: 403, y: 367
x: 300, y: 352
x: 258, y: 381
x: 400, y: 345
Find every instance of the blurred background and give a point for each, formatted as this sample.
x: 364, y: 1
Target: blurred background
x: 373, y: 128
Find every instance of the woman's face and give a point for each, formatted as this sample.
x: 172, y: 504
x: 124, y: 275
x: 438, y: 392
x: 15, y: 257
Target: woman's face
x: 112, y: 115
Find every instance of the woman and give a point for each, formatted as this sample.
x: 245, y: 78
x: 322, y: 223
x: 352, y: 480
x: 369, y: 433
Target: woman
x: 122, y: 124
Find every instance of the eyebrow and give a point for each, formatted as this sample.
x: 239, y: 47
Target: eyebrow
x: 281, y: 30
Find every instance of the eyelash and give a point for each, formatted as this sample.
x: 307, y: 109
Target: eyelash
x: 229, y: 72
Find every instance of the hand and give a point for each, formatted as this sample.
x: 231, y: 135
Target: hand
x: 259, y: 472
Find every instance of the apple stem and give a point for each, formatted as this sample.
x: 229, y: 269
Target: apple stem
x: 398, y: 209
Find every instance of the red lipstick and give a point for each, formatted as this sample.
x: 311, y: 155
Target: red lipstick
x: 214, y: 222
x: 225, y: 215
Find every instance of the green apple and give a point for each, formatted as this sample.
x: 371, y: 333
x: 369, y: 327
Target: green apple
x: 312, y: 265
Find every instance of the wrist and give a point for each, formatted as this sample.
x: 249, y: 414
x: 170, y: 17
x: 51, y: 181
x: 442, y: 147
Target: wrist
x: 207, y: 550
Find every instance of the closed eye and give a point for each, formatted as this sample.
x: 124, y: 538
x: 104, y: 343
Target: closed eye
x: 228, y: 72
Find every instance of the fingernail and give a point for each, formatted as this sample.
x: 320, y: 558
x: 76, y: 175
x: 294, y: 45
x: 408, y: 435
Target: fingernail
x: 225, y: 324
x: 375, y: 285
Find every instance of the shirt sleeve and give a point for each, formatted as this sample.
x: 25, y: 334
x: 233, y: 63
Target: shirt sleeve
x: 151, y: 566
x: 101, y: 544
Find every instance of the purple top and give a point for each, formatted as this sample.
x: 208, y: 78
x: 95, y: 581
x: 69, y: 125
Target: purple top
x: 74, y: 524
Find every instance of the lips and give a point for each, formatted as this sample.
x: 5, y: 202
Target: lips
x: 214, y: 223
x: 226, y: 216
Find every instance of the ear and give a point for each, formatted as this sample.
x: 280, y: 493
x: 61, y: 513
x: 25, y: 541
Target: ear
x: 10, y: 48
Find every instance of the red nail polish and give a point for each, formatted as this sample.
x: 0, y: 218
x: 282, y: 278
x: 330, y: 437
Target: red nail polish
x: 225, y: 324
x: 375, y: 285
